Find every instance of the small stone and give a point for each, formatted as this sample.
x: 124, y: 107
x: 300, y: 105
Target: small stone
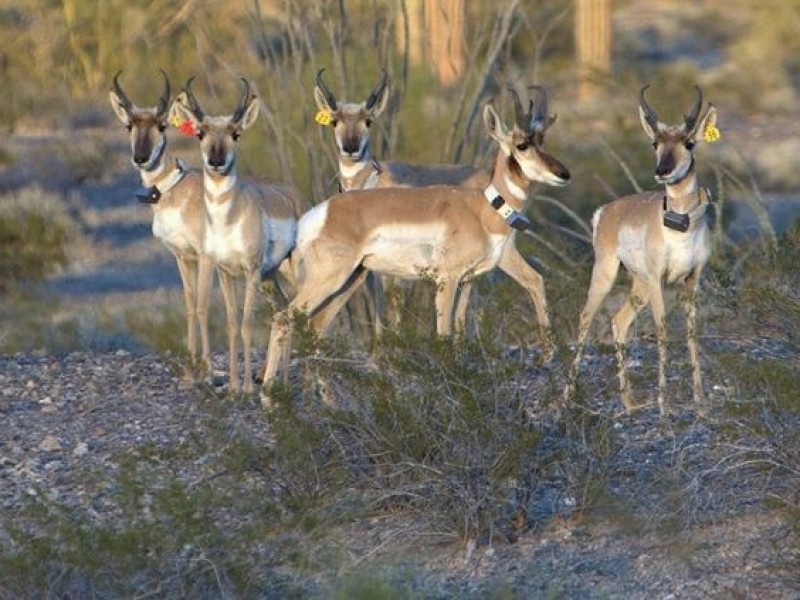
x: 82, y: 449
x: 122, y: 352
x: 30, y: 384
x: 46, y: 400
x: 50, y: 443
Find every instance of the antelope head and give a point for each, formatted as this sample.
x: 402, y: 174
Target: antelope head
x: 350, y: 121
x: 146, y: 125
x: 523, y: 145
x: 674, y: 144
x: 218, y: 135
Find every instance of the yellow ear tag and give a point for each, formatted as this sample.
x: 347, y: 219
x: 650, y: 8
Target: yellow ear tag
x: 175, y: 121
x: 324, y: 117
x: 711, y: 134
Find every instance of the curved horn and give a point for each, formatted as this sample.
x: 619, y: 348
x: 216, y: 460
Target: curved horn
x: 126, y: 104
x: 193, y: 104
x: 163, y: 102
x: 649, y: 113
x: 329, y: 97
x: 694, y: 112
x: 523, y: 120
x: 375, y: 94
x: 539, y: 104
x: 239, y: 112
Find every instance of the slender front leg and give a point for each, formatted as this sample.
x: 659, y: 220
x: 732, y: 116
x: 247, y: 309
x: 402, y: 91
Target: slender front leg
x: 205, y: 275
x: 445, y: 301
x: 659, y: 316
x: 604, y: 273
x: 620, y: 325
x: 226, y: 281
x: 461, y: 305
x: 690, y: 307
x: 248, y: 316
x: 512, y: 263
x: 187, y: 267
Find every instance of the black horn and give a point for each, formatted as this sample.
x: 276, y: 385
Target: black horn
x: 163, y: 102
x: 329, y: 97
x: 126, y: 104
x: 694, y: 112
x: 649, y: 113
x: 243, y: 102
x: 375, y: 94
x: 194, y: 106
x: 538, y: 110
x: 523, y: 120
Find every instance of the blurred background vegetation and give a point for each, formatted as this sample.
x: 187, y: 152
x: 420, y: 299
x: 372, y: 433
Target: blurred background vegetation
x: 445, y: 58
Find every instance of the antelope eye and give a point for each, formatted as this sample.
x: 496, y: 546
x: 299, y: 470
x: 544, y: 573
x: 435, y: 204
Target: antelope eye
x: 690, y: 144
x: 368, y: 122
x: 162, y: 127
x: 128, y: 127
x: 201, y: 134
x: 523, y: 146
x: 655, y: 144
x: 235, y: 135
x: 334, y: 123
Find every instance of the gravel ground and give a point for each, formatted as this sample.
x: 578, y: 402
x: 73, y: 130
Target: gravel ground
x: 82, y: 413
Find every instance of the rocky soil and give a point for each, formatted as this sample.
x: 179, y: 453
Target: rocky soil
x: 69, y: 422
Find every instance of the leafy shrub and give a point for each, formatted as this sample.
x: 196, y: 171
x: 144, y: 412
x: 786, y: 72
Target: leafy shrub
x: 35, y: 232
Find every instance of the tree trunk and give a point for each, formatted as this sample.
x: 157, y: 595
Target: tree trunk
x: 592, y: 43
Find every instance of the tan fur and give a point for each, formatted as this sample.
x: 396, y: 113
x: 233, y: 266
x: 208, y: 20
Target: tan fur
x: 358, y: 170
x: 631, y: 231
x: 250, y: 223
x: 449, y: 234
x: 186, y: 236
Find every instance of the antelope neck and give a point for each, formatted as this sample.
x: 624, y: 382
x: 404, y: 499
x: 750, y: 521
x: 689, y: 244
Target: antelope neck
x: 160, y: 183
x: 513, y: 217
x: 361, y: 175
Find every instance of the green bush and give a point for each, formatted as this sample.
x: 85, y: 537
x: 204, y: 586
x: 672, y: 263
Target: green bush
x: 35, y: 232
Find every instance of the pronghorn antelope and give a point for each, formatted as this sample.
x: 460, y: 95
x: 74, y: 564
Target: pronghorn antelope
x: 176, y: 195
x: 359, y: 170
x: 661, y: 238
x: 250, y: 225
x: 448, y: 233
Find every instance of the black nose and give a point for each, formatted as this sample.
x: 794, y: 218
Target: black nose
x: 140, y: 159
x: 564, y: 174
x: 351, y: 145
x: 666, y: 165
x: 216, y: 158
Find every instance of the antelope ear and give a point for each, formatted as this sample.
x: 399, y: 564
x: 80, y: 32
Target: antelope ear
x: 322, y: 103
x: 119, y: 108
x: 495, y: 127
x: 646, y: 125
x: 380, y: 104
x: 179, y: 110
x: 251, y: 112
x: 709, y: 120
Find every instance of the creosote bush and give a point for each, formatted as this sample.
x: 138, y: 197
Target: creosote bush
x: 35, y: 232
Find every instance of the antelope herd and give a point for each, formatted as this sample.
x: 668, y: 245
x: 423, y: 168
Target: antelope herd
x: 447, y: 223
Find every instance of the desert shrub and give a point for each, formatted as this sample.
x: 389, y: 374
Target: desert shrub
x: 429, y: 427
x: 35, y: 232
